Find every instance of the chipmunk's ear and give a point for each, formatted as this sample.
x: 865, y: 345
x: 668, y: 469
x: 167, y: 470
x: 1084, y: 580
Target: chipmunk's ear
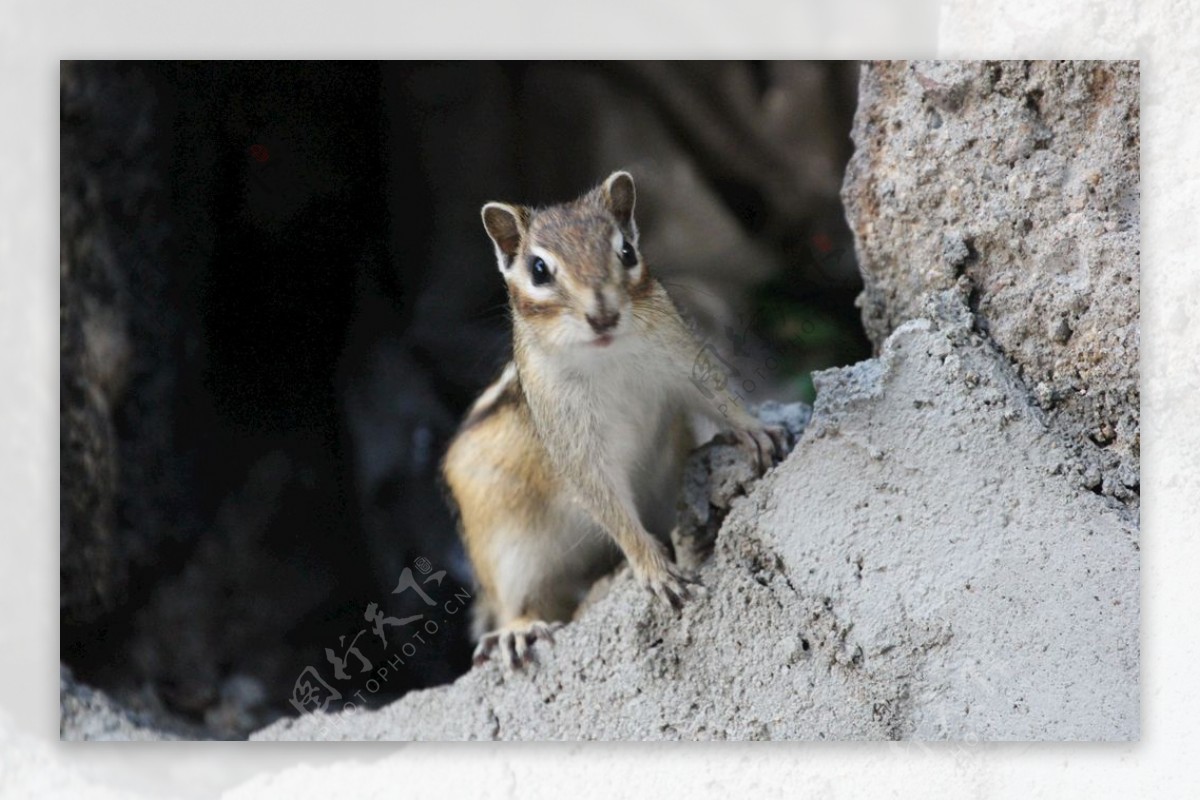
x: 619, y: 196
x: 507, y: 226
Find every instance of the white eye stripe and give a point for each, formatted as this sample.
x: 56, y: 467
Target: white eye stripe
x: 546, y: 290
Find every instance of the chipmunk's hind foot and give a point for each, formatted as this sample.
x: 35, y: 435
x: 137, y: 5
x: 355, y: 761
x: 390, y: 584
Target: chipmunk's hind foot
x: 514, y: 642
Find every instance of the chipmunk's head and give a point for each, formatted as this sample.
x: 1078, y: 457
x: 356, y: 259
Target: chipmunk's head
x: 573, y: 271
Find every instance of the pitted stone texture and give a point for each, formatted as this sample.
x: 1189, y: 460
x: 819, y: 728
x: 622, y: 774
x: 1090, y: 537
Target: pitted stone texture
x: 1018, y: 184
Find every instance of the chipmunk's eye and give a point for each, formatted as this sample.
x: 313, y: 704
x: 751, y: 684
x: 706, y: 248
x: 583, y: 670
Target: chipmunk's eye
x: 628, y: 254
x: 539, y: 271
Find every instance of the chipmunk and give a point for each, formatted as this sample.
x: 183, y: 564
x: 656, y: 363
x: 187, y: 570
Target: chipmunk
x: 573, y: 458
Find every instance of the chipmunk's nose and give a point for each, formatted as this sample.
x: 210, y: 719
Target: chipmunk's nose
x: 605, y: 312
x: 603, y: 321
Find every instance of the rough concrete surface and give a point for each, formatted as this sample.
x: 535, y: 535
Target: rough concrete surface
x: 923, y: 565
x: 1019, y: 182
x: 86, y: 713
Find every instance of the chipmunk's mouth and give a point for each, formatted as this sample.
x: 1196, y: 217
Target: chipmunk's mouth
x: 603, y: 341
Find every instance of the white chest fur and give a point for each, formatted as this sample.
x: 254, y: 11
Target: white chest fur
x: 624, y: 394
x: 608, y: 412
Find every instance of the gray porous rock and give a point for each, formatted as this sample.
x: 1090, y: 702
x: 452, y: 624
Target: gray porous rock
x: 921, y: 566
x: 1018, y: 184
x: 89, y: 714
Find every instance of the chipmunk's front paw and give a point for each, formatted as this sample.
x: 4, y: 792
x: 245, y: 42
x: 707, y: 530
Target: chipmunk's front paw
x: 515, y: 642
x: 767, y: 445
x: 670, y: 584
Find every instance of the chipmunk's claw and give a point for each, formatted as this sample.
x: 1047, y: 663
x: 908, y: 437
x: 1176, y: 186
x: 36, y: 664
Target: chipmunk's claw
x: 767, y: 445
x: 673, y: 586
x: 515, y: 643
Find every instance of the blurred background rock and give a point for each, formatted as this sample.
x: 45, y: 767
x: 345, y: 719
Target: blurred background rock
x: 277, y: 300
